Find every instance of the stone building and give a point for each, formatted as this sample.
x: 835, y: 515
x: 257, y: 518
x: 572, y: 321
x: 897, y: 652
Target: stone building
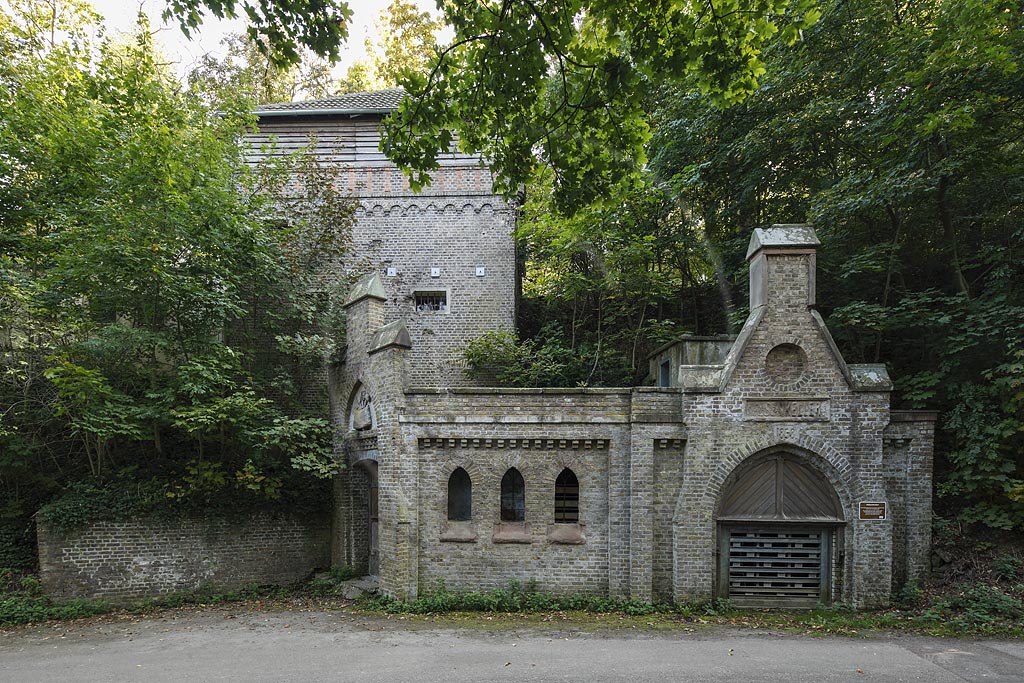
x: 762, y: 468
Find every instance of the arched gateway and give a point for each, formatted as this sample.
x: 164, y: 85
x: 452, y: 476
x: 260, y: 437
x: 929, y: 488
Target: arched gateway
x: 779, y: 522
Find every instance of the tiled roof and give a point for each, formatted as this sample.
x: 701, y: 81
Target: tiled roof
x: 376, y: 102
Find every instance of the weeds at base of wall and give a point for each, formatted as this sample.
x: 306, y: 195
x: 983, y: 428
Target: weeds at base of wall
x: 517, y: 598
x: 22, y: 602
x: 974, y: 610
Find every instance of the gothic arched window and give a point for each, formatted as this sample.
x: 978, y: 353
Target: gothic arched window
x: 513, y: 496
x: 567, y: 497
x: 460, y: 496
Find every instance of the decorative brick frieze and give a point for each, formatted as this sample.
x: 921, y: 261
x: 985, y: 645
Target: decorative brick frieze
x: 537, y: 444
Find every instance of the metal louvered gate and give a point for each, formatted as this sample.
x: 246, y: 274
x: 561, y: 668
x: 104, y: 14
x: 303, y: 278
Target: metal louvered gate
x: 777, y: 566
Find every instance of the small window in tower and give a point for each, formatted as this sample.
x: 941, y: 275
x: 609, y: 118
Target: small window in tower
x: 567, y: 498
x: 435, y: 301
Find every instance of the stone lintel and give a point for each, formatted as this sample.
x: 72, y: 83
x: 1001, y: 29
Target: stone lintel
x: 787, y: 409
x: 700, y: 378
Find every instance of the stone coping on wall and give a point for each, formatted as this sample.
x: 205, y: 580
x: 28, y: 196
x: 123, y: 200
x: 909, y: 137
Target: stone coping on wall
x: 541, y: 391
x: 517, y: 391
x: 512, y: 419
x: 913, y: 416
x: 527, y: 443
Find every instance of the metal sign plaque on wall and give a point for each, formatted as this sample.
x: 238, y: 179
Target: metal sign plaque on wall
x: 872, y: 510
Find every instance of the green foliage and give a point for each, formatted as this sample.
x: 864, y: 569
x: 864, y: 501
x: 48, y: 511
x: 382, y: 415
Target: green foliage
x: 518, y: 598
x: 499, y: 358
x: 144, y: 265
x: 22, y: 602
x: 86, y: 502
x: 342, y: 573
x: 606, y: 286
x: 910, y: 594
x: 1010, y: 568
x: 904, y: 151
x: 207, y: 595
x: 330, y: 586
x: 280, y: 28
x: 407, y: 43
x: 245, y: 76
x: 562, y: 83
x: 17, y: 545
x: 203, y: 489
x: 980, y: 608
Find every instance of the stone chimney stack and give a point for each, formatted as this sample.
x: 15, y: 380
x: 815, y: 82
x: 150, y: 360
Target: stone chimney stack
x: 782, y: 267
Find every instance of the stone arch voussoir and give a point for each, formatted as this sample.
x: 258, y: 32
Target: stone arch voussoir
x: 814, y: 452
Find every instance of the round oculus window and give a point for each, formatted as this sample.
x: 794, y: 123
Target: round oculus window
x: 786, y: 363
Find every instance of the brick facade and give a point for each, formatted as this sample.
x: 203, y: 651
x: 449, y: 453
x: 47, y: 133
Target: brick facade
x: 124, y: 561
x: 652, y: 463
x: 431, y: 241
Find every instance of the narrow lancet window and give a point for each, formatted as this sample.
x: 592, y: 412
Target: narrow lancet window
x: 460, y: 496
x: 567, y: 498
x: 513, y: 497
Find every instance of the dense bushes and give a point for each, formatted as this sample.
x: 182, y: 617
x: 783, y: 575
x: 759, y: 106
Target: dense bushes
x: 162, y: 302
x: 517, y: 598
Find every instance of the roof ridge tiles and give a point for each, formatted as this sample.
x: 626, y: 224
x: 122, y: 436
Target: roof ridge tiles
x: 377, y: 101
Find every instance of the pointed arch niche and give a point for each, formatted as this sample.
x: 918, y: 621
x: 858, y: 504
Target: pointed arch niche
x: 362, y: 415
x: 458, y: 525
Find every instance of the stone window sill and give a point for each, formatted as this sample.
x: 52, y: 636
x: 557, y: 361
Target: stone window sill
x: 512, y: 532
x: 566, y: 534
x: 459, y: 532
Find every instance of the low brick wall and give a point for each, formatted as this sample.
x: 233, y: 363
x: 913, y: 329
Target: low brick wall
x: 125, y: 561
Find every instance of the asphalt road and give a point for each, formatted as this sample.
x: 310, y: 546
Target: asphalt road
x: 213, y: 645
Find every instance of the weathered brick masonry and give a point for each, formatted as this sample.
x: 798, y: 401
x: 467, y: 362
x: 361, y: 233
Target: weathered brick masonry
x: 123, y: 561
x: 654, y: 465
x: 763, y: 467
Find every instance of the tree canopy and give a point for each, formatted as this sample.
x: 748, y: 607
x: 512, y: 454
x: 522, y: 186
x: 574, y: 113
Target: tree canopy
x: 160, y: 300
x: 279, y: 29
x: 406, y: 43
x: 896, y: 130
x: 245, y: 76
x: 563, y: 83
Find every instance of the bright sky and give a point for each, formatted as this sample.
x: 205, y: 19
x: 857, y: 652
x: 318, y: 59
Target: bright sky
x: 120, y: 15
